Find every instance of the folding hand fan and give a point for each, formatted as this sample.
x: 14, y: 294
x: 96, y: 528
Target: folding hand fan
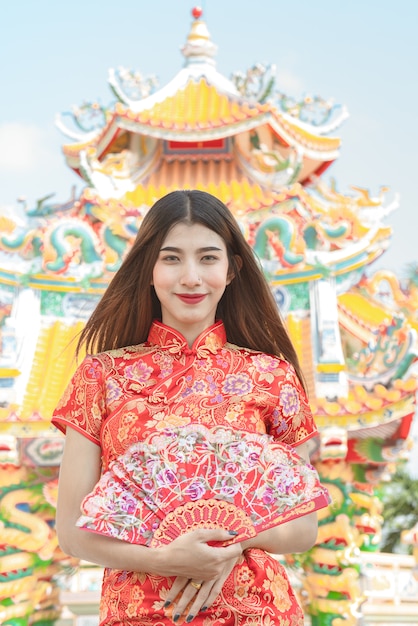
x: 194, y: 477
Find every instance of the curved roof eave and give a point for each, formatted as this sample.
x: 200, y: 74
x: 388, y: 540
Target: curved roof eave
x: 226, y: 130
x: 304, y: 143
x: 282, y: 124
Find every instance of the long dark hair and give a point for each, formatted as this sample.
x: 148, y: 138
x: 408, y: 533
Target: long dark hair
x: 129, y: 305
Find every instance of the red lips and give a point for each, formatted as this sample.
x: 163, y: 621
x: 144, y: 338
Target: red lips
x: 189, y: 298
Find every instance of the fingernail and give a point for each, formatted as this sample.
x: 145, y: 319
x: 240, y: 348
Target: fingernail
x: 203, y: 609
x: 175, y: 617
x: 167, y: 604
x: 232, y: 532
x: 189, y: 618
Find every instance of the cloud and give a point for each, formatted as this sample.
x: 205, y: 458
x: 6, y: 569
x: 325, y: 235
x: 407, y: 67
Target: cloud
x: 22, y: 147
x: 31, y: 163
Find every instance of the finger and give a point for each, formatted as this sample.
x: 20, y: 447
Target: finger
x: 189, y: 602
x: 179, y: 584
x: 215, y: 590
x: 201, y: 600
x: 212, y: 595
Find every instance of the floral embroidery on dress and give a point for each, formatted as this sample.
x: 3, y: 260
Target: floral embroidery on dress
x: 279, y: 587
x: 135, y: 393
x: 266, y: 365
x: 239, y: 384
x: 289, y: 400
x: 139, y: 371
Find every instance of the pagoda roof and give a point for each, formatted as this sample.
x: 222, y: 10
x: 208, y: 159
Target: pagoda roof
x: 222, y: 178
x: 200, y: 104
x: 198, y: 111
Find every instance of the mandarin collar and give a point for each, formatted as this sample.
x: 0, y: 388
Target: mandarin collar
x: 212, y: 338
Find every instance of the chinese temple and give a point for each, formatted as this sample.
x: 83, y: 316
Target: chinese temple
x: 265, y: 155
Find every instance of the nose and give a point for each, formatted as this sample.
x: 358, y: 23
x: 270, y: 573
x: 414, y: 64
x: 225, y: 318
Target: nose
x: 190, y: 276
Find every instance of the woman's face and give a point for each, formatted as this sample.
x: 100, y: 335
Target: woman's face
x: 189, y: 278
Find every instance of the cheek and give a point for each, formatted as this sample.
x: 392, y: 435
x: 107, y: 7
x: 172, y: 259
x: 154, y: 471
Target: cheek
x: 156, y: 276
x: 221, y: 281
x: 162, y: 278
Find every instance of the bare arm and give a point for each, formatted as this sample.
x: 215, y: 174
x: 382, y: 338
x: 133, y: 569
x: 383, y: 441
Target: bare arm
x: 187, y: 556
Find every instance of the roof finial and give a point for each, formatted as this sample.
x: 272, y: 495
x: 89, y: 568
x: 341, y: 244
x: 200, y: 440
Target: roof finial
x: 197, y: 12
x: 199, y: 47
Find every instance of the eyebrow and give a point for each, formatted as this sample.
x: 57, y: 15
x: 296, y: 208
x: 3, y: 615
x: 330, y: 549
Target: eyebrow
x: 200, y: 250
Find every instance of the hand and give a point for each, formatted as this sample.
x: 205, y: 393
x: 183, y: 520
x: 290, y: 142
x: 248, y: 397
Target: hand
x: 190, y: 557
x: 189, y: 598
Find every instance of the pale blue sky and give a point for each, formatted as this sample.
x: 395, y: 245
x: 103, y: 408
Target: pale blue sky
x: 362, y: 53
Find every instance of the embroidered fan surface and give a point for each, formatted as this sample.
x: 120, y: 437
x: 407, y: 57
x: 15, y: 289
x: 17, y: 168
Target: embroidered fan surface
x: 193, y: 477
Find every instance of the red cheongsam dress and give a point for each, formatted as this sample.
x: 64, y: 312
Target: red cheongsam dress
x: 127, y: 395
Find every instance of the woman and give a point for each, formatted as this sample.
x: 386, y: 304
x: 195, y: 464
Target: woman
x: 187, y: 332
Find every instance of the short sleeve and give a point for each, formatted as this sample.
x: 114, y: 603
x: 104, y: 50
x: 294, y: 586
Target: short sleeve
x: 291, y: 420
x: 83, y: 405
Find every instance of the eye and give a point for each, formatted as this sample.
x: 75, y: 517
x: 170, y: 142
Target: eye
x: 170, y: 258
x: 209, y: 258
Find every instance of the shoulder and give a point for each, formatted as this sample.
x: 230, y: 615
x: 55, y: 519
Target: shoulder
x: 257, y: 356
x: 119, y: 356
x: 231, y: 347
x: 264, y: 367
